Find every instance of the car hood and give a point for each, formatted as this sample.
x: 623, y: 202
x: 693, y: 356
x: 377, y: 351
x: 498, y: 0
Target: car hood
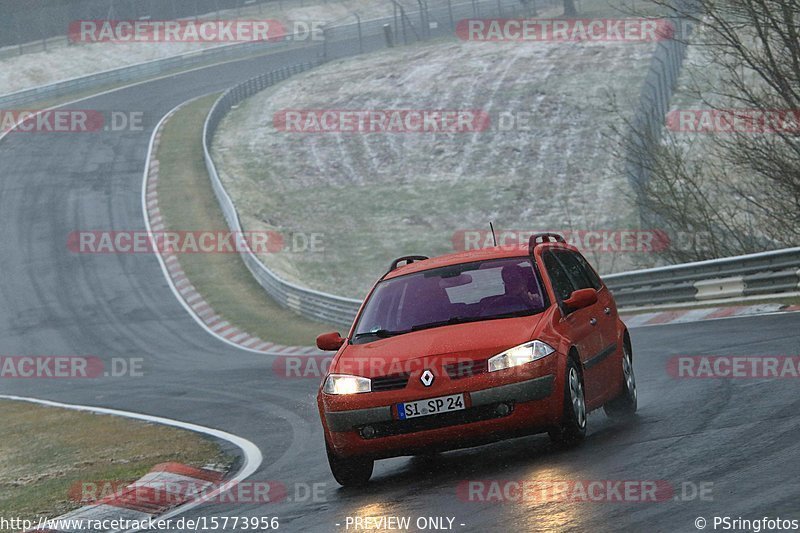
x: 473, y: 340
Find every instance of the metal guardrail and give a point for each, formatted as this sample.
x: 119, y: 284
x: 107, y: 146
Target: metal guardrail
x: 145, y: 70
x: 766, y: 273
x: 309, y: 303
x: 656, y: 93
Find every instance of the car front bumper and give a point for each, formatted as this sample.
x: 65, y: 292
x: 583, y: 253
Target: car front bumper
x: 492, y: 413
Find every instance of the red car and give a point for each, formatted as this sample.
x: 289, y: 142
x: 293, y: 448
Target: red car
x: 473, y: 347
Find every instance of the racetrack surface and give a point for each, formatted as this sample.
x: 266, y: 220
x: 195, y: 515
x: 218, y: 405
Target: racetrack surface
x: 742, y: 435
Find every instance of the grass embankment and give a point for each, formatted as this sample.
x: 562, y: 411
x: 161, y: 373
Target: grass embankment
x: 187, y: 202
x: 545, y: 161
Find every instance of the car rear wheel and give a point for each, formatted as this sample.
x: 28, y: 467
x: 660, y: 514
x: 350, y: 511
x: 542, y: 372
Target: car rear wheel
x: 349, y: 471
x: 573, y: 422
x: 624, y: 405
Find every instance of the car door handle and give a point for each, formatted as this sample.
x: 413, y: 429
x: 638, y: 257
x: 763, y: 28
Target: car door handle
x: 593, y: 321
x: 607, y: 310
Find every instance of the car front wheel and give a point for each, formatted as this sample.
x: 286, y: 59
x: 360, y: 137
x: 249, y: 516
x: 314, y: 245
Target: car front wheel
x: 573, y: 424
x: 349, y: 471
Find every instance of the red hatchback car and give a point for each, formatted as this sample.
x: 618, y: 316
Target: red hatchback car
x: 474, y: 347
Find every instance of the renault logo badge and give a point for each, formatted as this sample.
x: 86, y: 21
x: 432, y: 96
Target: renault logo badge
x: 427, y: 378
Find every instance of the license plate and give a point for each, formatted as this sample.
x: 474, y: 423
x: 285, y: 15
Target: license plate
x: 432, y: 406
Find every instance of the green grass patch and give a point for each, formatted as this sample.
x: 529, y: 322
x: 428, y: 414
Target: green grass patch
x: 187, y: 203
x: 46, y: 451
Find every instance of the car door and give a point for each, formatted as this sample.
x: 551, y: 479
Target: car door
x: 581, y: 323
x: 610, y: 367
x: 605, y: 301
x: 601, y: 365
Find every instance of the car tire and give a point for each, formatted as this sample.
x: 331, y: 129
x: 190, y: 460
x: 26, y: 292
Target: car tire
x: 624, y: 405
x: 573, y: 421
x: 349, y: 471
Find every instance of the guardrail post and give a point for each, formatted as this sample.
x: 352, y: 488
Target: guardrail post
x: 423, y: 23
x: 450, y: 14
x: 360, y: 36
x: 403, y: 21
x: 394, y: 17
x: 387, y: 32
x: 42, y: 31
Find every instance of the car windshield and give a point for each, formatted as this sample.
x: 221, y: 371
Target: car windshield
x: 468, y: 292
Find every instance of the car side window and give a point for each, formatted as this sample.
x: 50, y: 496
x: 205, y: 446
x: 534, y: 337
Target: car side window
x: 562, y: 285
x: 575, y: 271
x: 594, y: 279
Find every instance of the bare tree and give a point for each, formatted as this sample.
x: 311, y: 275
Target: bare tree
x: 742, y: 188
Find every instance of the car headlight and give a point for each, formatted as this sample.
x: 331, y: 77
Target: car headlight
x: 519, y: 355
x: 344, y: 384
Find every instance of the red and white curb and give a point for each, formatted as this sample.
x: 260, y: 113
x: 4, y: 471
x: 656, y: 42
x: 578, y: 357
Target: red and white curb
x: 164, y: 488
x: 182, y: 286
x: 708, y: 313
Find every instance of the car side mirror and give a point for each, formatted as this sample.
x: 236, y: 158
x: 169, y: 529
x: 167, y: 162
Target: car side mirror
x: 581, y: 298
x: 330, y: 342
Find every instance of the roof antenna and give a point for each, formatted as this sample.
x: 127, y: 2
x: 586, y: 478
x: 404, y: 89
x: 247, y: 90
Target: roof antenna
x: 494, y: 237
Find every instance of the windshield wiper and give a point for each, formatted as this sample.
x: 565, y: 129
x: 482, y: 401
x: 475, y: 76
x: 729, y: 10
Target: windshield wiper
x: 380, y: 333
x: 383, y: 333
x: 448, y: 322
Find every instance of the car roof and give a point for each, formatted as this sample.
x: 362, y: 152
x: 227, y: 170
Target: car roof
x: 470, y: 256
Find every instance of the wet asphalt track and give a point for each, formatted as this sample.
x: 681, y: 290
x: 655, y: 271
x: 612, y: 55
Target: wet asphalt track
x: 741, y: 435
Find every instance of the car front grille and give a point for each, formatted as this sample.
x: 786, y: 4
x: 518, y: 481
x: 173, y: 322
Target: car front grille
x: 466, y: 369
x: 393, y: 382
